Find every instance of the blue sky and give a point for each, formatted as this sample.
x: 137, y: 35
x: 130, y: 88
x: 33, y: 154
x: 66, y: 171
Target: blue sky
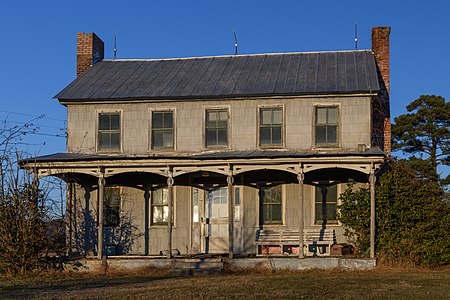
x: 38, y: 43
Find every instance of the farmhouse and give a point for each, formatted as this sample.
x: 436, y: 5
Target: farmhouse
x: 237, y: 155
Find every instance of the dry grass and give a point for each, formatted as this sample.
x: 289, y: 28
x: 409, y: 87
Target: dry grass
x: 148, y: 283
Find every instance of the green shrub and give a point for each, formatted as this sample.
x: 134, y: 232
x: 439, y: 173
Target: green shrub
x: 412, y: 217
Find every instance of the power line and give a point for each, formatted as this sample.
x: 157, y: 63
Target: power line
x: 34, y: 116
x: 37, y: 125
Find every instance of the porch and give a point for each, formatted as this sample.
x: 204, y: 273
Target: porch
x: 188, y: 226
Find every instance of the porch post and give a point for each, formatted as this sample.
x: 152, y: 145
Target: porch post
x: 230, y: 181
x: 301, y: 178
x: 372, y: 180
x: 101, y: 192
x: 170, y: 204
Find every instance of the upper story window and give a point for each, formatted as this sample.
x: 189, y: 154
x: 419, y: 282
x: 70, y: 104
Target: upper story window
x: 109, y: 131
x: 327, y: 126
x: 326, y: 204
x: 271, y: 208
x: 216, y: 128
x: 111, y: 213
x: 162, y: 130
x: 271, y: 126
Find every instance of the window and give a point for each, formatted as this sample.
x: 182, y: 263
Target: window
x: 160, y: 206
x: 109, y: 131
x: 326, y: 204
x: 216, y: 128
x: 162, y: 130
x: 327, y: 126
x: 270, y: 126
x: 271, y: 205
x: 111, y: 209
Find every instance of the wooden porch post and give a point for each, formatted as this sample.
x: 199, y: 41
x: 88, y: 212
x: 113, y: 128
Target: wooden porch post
x: 372, y: 180
x: 301, y: 178
x: 230, y: 181
x: 101, y: 192
x: 170, y: 204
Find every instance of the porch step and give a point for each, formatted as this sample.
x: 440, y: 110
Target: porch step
x: 197, y: 266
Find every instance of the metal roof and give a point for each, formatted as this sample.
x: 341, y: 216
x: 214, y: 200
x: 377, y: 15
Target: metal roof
x: 227, y: 76
x: 224, y: 155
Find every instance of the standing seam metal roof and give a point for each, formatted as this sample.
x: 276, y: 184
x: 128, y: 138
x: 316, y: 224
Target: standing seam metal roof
x: 227, y: 76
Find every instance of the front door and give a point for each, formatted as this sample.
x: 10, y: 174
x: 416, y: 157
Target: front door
x: 215, y: 220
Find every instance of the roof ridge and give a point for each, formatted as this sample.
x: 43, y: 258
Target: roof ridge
x: 233, y: 55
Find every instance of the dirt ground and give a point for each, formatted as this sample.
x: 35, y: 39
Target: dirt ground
x: 255, y: 284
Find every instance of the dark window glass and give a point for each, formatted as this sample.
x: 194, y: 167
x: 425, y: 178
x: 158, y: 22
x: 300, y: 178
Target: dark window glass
x: 111, y: 207
x: 162, y: 130
x: 326, y: 204
x: 271, y: 205
x: 270, y: 127
x: 327, y: 126
x: 216, y: 128
x: 109, y: 131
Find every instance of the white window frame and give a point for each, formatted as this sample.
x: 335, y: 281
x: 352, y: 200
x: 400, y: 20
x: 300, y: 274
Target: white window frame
x: 339, y: 126
x: 97, y: 128
x: 151, y: 110
x: 283, y: 126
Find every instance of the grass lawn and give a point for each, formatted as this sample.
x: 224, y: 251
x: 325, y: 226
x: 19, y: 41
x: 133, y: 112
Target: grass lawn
x: 155, y: 284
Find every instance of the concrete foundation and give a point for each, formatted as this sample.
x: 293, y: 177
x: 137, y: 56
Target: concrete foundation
x: 216, y: 265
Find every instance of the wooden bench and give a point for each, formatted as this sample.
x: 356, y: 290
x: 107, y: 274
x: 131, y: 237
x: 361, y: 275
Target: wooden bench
x: 317, y: 242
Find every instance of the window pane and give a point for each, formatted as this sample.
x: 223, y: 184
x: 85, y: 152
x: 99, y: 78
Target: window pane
x: 157, y: 197
x: 265, y: 136
x: 211, y: 137
x: 103, y: 141
x: 212, y: 116
x: 277, y: 117
x: 331, y: 135
x: 167, y: 139
x: 276, y: 136
x: 266, y: 117
x: 157, y: 120
x: 165, y: 195
x: 331, y: 212
x: 321, y: 135
x: 321, y: 115
x: 165, y: 214
x: 222, y: 137
x: 103, y: 122
x: 157, y: 214
x: 115, y: 141
x: 223, y: 116
x: 276, y: 213
x: 168, y: 120
x: 332, y: 115
x: 157, y: 139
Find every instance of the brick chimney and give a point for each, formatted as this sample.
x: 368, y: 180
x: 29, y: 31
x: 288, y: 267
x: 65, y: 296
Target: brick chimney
x: 90, y: 50
x: 380, y: 48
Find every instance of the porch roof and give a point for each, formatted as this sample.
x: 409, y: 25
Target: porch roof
x: 222, y: 155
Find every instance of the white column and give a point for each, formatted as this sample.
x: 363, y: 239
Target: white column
x: 170, y: 204
x: 301, y: 178
x: 101, y: 192
x: 372, y: 180
x: 230, y: 181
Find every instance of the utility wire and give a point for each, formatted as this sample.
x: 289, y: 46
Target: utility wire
x: 34, y: 116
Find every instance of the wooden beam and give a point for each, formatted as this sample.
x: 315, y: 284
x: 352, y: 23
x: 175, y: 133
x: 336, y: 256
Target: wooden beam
x: 230, y: 180
x: 170, y: 204
x: 101, y: 195
x: 372, y: 180
x: 301, y: 178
